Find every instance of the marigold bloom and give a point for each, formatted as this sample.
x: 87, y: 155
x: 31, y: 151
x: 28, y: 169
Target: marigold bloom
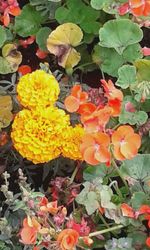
x: 68, y: 239
x: 37, y: 134
x: 37, y: 89
x: 71, y: 141
x: 75, y: 99
x: 94, y: 148
x: 126, y: 143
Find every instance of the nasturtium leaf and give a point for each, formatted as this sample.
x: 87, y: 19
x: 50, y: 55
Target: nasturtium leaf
x: 41, y: 37
x: 119, y: 244
x: 132, y: 118
x: 138, y: 199
x: 99, y: 171
x: 98, y: 4
x: 12, y: 55
x: 5, y: 111
x: 29, y: 21
x: 119, y: 34
x: 61, y: 42
x: 110, y: 61
x: 137, y: 168
x: 79, y: 13
x: 3, y: 36
x: 143, y: 70
x: 127, y: 76
x: 5, y: 67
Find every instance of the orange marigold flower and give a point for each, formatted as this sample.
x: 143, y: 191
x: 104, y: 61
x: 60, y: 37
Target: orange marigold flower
x: 127, y: 210
x: 68, y: 239
x: 94, y: 148
x: 126, y: 143
x: 37, y: 134
x: 75, y: 99
x: 71, y: 140
x: 37, y: 89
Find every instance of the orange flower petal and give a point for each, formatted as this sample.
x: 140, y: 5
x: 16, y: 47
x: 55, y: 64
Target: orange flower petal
x: 86, y: 108
x: 136, y: 3
x: 127, y: 211
x: 14, y: 11
x: 135, y: 139
x: 129, y: 150
x: 71, y: 103
x: 28, y: 235
x: 102, y: 139
x: 83, y: 96
x: 117, y: 153
x: 76, y: 90
x: 102, y: 155
x: 89, y: 156
x: 6, y: 19
x: 24, y: 69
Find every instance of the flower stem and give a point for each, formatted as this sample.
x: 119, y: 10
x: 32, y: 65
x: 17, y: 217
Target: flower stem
x: 73, y: 175
x: 120, y: 174
x: 111, y: 229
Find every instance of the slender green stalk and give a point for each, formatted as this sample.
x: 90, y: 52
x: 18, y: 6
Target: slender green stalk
x: 111, y: 229
x: 120, y: 174
x: 73, y: 175
x: 105, y: 222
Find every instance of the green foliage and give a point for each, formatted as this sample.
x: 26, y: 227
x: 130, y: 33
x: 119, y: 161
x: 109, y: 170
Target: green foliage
x: 138, y: 199
x: 119, y: 244
x: 77, y: 12
x: 41, y: 37
x: 110, y: 61
x: 119, y: 34
x: 99, y: 4
x: 138, y: 170
x: 3, y: 36
x: 96, y: 194
x: 127, y: 76
x: 135, y: 117
x: 29, y: 22
x: 46, y: 7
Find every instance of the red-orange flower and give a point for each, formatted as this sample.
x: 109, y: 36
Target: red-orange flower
x: 127, y: 210
x: 50, y: 207
x: 29, y: 231
x: 140, y: 7
x: 68, y: 239
x: 9, y: 8
x: 24, y: 69
x: 126, y: 143
x: 96, y: 121
x: 94, y: 148
x: 148, y: 241
x: 75, y: 99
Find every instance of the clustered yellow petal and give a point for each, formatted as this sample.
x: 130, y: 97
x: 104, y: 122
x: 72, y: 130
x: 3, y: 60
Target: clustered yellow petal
x: 37, y: 89
x: 71, y: 142
x: 43, y: 132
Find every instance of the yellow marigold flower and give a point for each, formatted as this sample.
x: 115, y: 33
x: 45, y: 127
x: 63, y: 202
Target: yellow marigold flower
x: 37, y: 89
x: 71, y: 142
x: 37, y: 134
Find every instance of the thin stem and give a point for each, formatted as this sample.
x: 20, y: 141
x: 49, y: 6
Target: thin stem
x: 115, y: 185
x: 83, y: 65
x: 120, y: 174
x: 105, y: 222
x: 73, y: 175
x: 111, y: 229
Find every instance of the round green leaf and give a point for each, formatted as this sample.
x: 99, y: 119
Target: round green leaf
x: 127, y: 76
x: 41, y: 37
x: 28, y: 23
x: 3, y: 36
x: 119, y: 34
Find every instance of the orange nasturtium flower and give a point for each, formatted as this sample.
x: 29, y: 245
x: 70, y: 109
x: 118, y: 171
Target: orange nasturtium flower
x: 68, y: 239
x: 140, y: 7
x: 75, y: 99
x: 126, y: 143
x: 127, y: 210
x: 50, y: 207
x: 9, y: 8
x: 96, y: 120
x: 29, y: 231
x: 94, y: 148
